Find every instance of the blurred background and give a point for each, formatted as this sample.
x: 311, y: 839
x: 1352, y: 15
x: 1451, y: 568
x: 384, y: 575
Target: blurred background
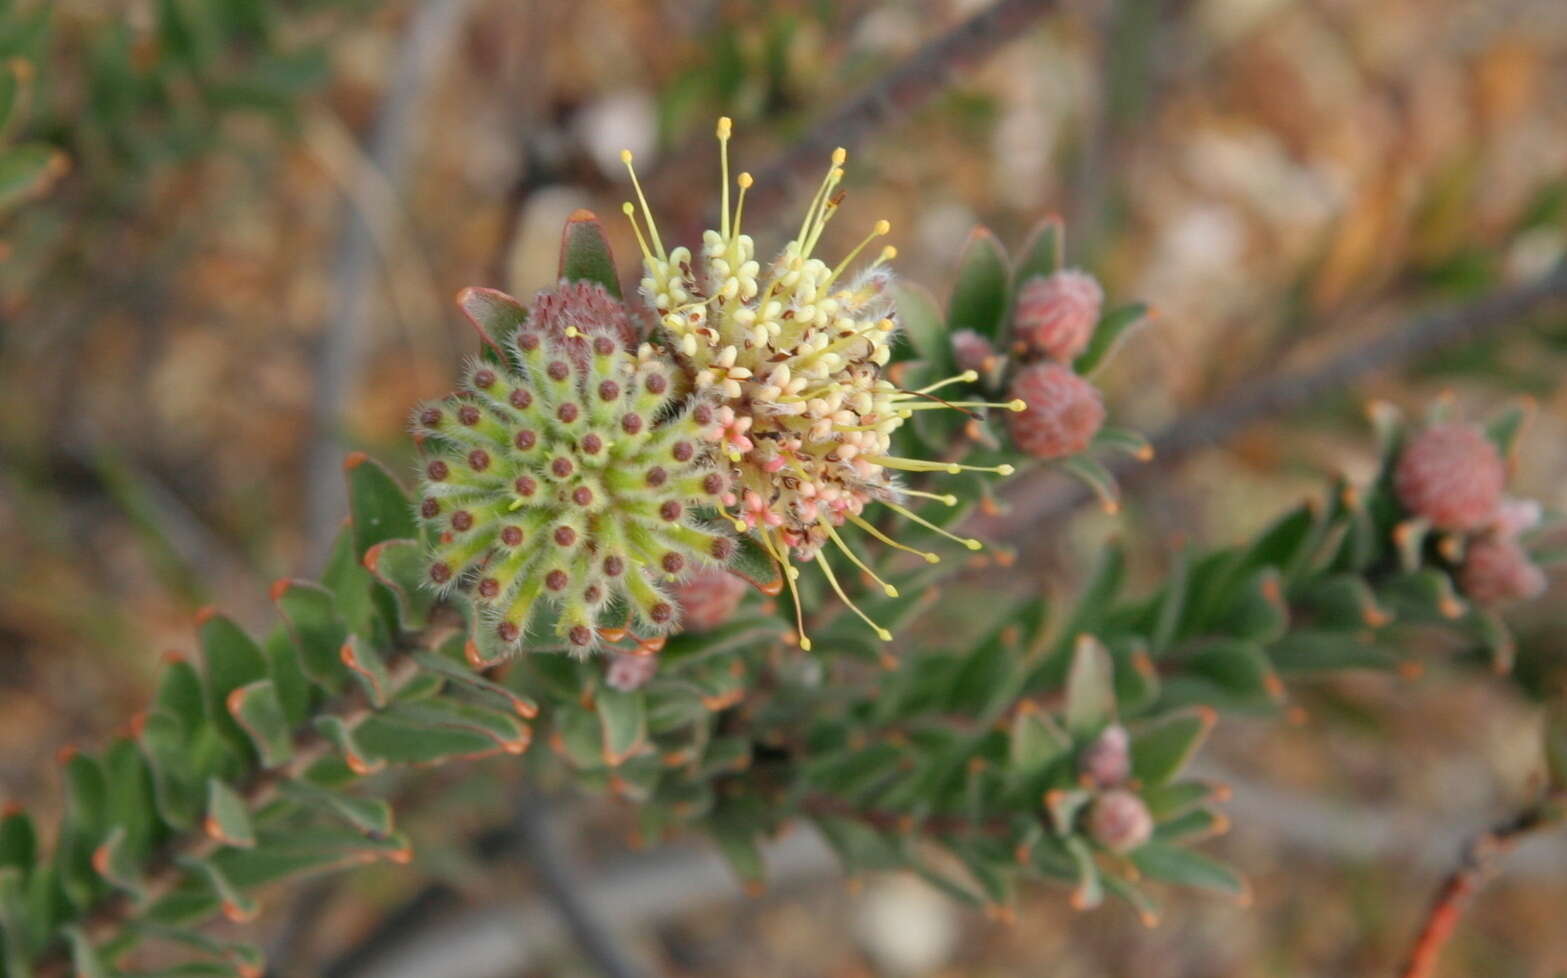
x: 247, y: 269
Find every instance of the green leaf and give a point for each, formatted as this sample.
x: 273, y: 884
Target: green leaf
x: 18, y: 842
x: 400, y: 566
x: 523, y: 706
x: 980, y: 295
x: 318, y: 633
x: 1308, y: 650
x: 1125, y: 441
x: 371, y: 816
x: 369, y: 669
x: 1173, y: 864
x: 737, y: 843
x: 418, y: 734
x: 297, y: 851
x: 84, y: 957
x: 233, y: 902
x: 623, y: 718
x: 1036, y: 744
x: 259, y: 713
x: 1161, y: 747
x: 346, y: 738
x: 1090, y: 688
x: 919, y: 318
x: 380, y: 508
x: 1504, y: 429
x: 1239, y: 672
x: 584, y: 253
x: 228, y: 817
x: 1090, y: 887
x: 28, y: 171
x: 1173, y: 798
x: 1255, y: 610
x: 1044, y: 252
x: 233, y: 660
x: 1113, y: 327
x: 737, y: 634
x: 494, y: 314
x: 1342, y: 602
x: 1097, y: 477
x: 295, y: 691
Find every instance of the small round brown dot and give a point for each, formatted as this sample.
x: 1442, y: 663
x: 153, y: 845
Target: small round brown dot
x: 580, y: 635
x: 462, y: 521
x: 430, y: 417
x: 525, y: 486
x: 656, y: 476
x: 661, y: 612
x: 437, y: 471
x: 631, y: 424
x: 567, y: 412
x: 430, y: 509
x: 565, y: 536
x: 484, y: 379
x: 440, y: 572
x: 603, y: 345
x: 582, y: 496
x: 489, y: 587
x: 702, y: 414
x: 672, y: 562
x: 683, y: 451
x: 722, y: 549
x: 613, y: 566
x: 479, y: 459
x: 656, y: 383
x: 670, y: 511
x: 528, y: 341
x: 556, y: 580
x: 512, y: 536
x: 508, y: 632
x: 592, y: 594
x: 521, y: 399
x: 558, y: 370
x: 525, y: 439
x: 561, y: 467
x: 468, y: 415
x: 712, y: 483
x: 592, y: 444
x: 608, y: 391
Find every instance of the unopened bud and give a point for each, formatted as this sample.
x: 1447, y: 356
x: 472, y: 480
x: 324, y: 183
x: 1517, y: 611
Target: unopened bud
x: 708, y: 598
x: 1107, y: 761
x: 1497, y: 571
x: 973, y: 352
x: 1452, y: 475
x: 629, y: 673
x: 1056, y: 314
x: 1119, y: 821
x: 1062, y: 411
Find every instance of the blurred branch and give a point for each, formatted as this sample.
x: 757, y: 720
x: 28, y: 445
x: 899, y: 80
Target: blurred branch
x: 925, y: 74
x: 1049, y: 494
x: 1480, y: 860
x: 433, y: 26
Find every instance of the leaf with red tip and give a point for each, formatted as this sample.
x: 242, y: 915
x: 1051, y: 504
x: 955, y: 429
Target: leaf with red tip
x: 494, y: 314
x: 310, y: 613
x: 368, y: 667
x: 623, y: 722
x: 1044, y: 251
x: 1162, y: 747
x: 28, y: 171
x: 401, y: 566
x: 228, y: 817
x: 379, y: 505
x: 1172, y: 864
x: 1112, y: 329
x: 233, y: 659
x: 585, y: 255
x: 259, y: 712
x: 981, y: 294
x: 920, y: 320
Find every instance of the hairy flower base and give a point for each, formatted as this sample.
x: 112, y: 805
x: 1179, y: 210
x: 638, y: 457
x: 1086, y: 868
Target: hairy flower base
x: 569, y: 478
x: 793, y: 350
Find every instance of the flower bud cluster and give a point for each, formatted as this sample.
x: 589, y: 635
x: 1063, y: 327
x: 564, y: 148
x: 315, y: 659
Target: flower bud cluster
x: 1117, y: 818
x: 568, y: 477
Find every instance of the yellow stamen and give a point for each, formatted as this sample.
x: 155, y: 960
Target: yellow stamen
x: 828, y: 209
x: 865, y: 525
x: 630, y: 211
x: 881, y: 228
x: 724, y: 125
x: 1015, y: 405
x: 904, y: 511
x: 744, y: 180
x: 945, y: 498
x: 779, y: 551
x: 966, y: 377
x: 881, y: 632
x: 652, y: 229
x: 854, y: 559
x: 926, y: 465
x: 887, y: 254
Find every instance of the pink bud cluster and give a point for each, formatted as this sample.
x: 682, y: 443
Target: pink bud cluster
x: 1117, y: 818
x: 1053, y: 323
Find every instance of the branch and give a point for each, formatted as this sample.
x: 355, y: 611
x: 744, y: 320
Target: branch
x: 1480, y: 860
x: 923, y: 75
x: 1279, y: 393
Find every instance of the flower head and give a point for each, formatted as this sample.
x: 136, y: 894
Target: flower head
x: 792, y: 351
x: 1497, y: 571
x: 566, y: 476
x: 1119, y: 820
x: 1452, y: 475
x: 708, y: 598
x: 1107, y: 760
x: 1056, y: 314
x: 1063, y: 411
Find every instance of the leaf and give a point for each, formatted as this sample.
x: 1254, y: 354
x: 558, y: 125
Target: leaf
x: 400, y: 566
x: 369, y: 669
x: 371, y: 816
x: 1097, y: 477
x: 1036, y: 743
x: 1239, y: 672
x: 233, y: 660
x: 298, y: 851
x: 981, y: 294
x: 494, y: 314
x: 737, y: 843
x: 1504, y: 429
x: 1090, y: 888
x: 623, y: 719
x: 1044, y: 252
x: 523, y: 706
x: 228, y: 817
x: 1308, y: 650
x: 1255, y: 610
x: 584, y: 253
x: 1090, y: 688
x: 1126, y: 441
x: 437, y: 731
x: 1173, y: 864
x: 18, y: 841
x: 360, y: 760
x: 232, y: 901
x: 741, y: 632
x: 1113, y: 327
x: 318, y: 633
x: 84, y: 957
x: 1160, y: 748
x: 28, y: 171
x: 380, y: 508
x: 919, y: 318
x: 260, y: 714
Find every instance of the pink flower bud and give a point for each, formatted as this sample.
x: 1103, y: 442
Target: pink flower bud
x: 1119, y: 821
x: 1107, y: 761
x: 973, y: 352
x: 629, y: 673
x: 708, y: 598
x: 1056, y: 315
x: 1452, y: 475
x: 1517, y: 516
x: 1496, y: 571
x: 1062, y: 411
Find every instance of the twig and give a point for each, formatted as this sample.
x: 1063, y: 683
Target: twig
x: 567, y: 893
x: 1480, y: 860
x: 1287, y: 390
x: 342, y: 347
x: 925, y: 73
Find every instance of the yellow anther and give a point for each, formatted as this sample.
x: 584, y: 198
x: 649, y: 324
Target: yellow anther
x: 839, y: 155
